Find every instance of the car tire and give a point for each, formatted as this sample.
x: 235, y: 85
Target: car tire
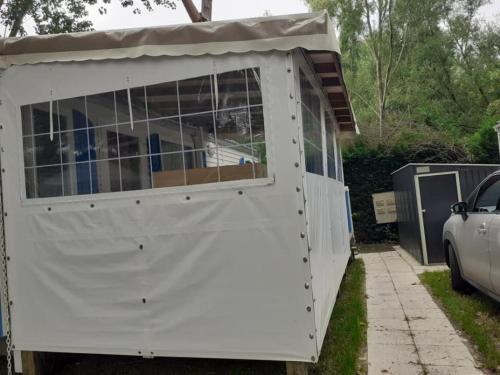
x: 457, y: 282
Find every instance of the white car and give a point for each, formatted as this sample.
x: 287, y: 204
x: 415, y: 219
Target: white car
x: 471, y: 239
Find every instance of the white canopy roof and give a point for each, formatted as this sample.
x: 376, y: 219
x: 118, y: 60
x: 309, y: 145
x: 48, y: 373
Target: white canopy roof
x: 313, y: 32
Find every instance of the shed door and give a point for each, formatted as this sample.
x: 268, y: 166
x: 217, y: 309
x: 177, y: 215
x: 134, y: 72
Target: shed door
x: 437, y: 194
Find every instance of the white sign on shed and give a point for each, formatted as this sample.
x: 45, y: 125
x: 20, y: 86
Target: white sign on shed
x: 384, y: 205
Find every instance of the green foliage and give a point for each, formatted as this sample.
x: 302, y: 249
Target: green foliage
x: 346, y: 333
x: 483, y: 144
x: 448, y: 73
x: 476, y: 314
x: 368, y: 168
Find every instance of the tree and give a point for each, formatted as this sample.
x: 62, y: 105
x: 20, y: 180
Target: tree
x: 204, y: 15
x: 60, y: 16
x: 440, y: 71
x: 383, y: 25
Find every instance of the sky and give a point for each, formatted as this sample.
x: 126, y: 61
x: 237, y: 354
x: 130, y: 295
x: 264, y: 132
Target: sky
x: 120, y: 18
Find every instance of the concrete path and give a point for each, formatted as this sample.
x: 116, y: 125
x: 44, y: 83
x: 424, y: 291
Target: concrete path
x: 407, y: 332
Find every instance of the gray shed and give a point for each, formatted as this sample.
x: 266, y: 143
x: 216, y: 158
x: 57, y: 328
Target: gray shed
x: 424, y: 194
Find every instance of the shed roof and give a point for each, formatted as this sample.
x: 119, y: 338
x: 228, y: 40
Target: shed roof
x: 450, y: 165
x: 313, y: 32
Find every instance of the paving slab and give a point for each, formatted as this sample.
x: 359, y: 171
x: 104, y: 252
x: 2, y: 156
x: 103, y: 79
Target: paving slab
x: 407, y: 332
x: 423, y: 338
x: 447, y: 370
x: 390, y: 337
x: 393, y: 359
x: 439, y: 355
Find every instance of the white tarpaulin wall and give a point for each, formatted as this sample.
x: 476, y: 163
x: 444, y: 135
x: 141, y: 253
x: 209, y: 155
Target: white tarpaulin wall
x: 329, y: 241
x: 222, y: 274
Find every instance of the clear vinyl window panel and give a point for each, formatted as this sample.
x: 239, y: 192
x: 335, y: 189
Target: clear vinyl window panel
x: 330, y: 146
x: 340, y: 166
x: 200, y: 130
x: 311, y: 124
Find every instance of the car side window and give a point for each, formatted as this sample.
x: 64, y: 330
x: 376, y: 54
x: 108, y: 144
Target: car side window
x: 489, y: 199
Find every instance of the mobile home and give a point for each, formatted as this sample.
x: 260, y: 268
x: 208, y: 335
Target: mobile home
x: 175, y: 191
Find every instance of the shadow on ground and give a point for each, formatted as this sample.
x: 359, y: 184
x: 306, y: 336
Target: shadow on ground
x: 119, y: 365
x: 364, y: 248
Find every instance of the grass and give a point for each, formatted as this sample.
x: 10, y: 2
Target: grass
x: 477, y: 315
x: 345, y: 339
x: 346, y: 335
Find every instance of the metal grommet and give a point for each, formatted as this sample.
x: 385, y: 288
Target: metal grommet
x: 304, y: 260
x: 308, y: 309
x: 289, y: 70
x: 188, y: 198
x: 144, y: 300
x: 92, y: 205
x: 297, y: 164
x: 311, y: 336
x: 301, y: 212
x: 306, y: 285
x: 302, y: 235
x: 313, y: 359
x: 294, y: 141
x: 291, y: 96
x: 8, y: 258
x: 141, y: 247
x: 298, y: 189
x: 240, y: 192
x: 138, y: 201
x: 49, y: 208
x: 5, y: 213
x: 139, y: 352
x: 3, y: 170
x: 294, y: 117
x: 152, y: 353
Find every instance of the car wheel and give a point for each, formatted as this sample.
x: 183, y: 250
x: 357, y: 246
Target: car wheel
x: 457, y: 282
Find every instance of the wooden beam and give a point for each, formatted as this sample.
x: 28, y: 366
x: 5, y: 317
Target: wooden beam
x: 34, y: 363
x: 343, y: 119
x: 325, y: 68
x: 192, y: 11
x: 206, y: 10
x: 342, y: 112
x: 331, y: 81
x: 296, y: 368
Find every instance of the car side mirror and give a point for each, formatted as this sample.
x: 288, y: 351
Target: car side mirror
x: 460, y: 208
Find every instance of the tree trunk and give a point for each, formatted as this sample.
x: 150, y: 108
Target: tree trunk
x: 204, y: 15
x: 192, y: 11
x: 206, y: 10
x: 381, y: 100
x: 19, y: 17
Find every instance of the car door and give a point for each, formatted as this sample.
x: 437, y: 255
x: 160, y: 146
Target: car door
x: 495, y: 253
x: 474, y: 243
x: 494, y: 240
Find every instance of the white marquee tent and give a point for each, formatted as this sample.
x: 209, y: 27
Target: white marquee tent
x: 175, y: 191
